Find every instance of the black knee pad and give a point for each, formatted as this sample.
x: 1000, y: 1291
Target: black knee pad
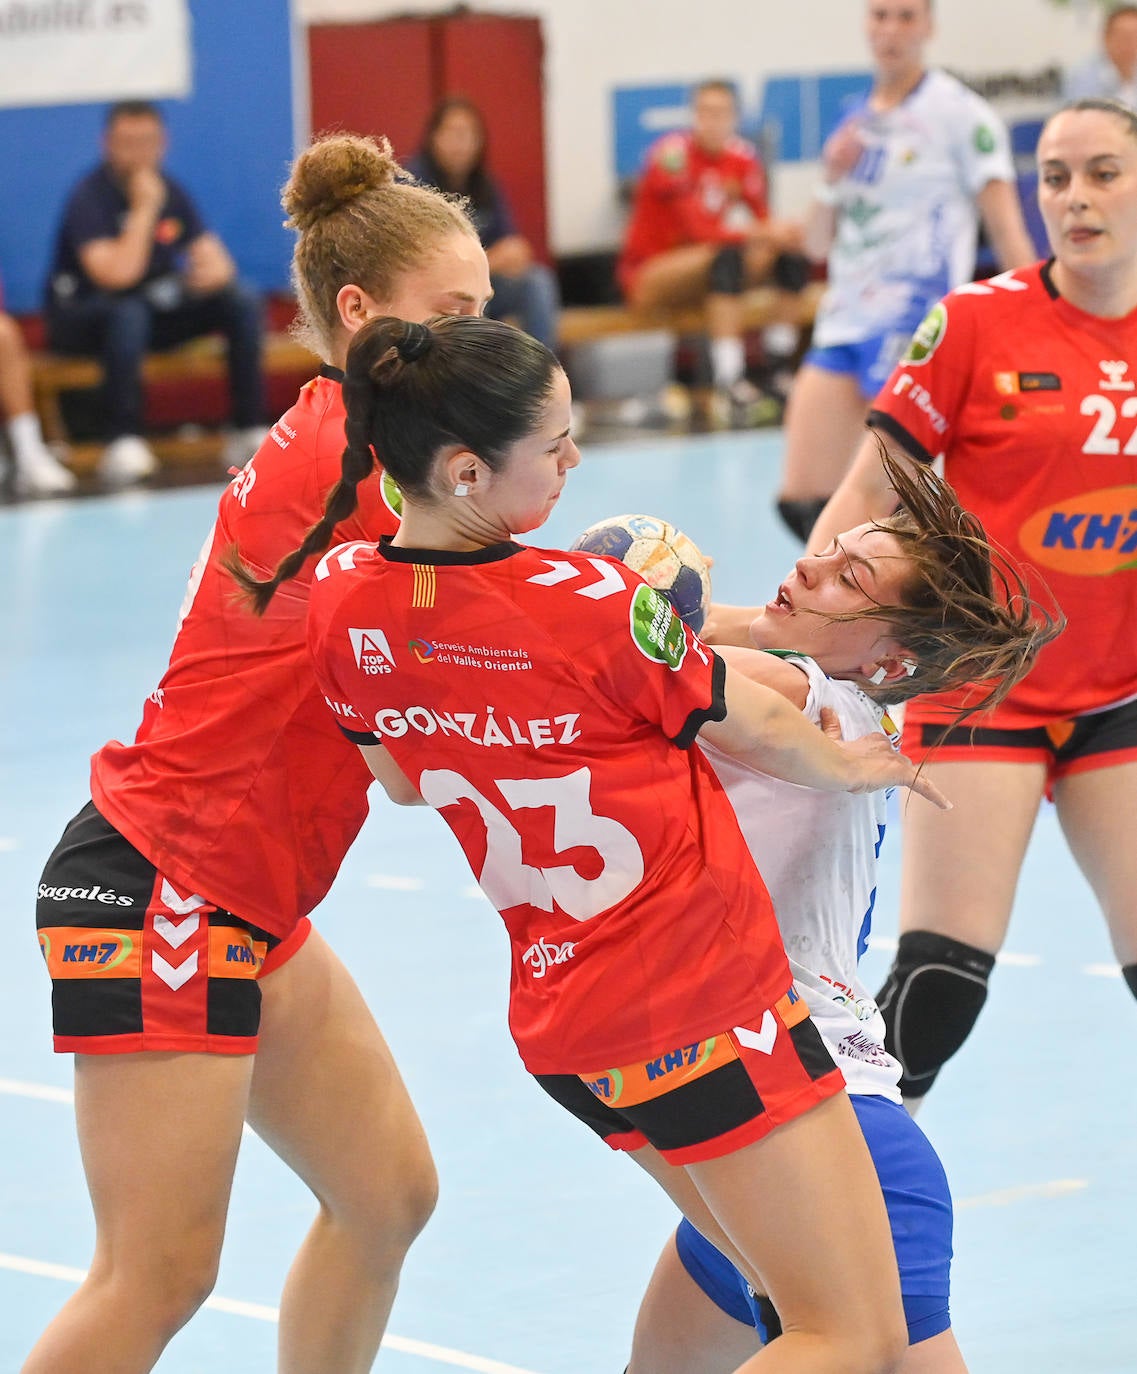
x: 1129, y: 973
x: 792, y: 271
x: 799, y: 517
x: 727, y: 277
x: 930, y: 1000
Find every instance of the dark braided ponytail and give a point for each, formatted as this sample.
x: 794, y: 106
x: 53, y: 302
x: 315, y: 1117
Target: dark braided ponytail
x: 410, y: 390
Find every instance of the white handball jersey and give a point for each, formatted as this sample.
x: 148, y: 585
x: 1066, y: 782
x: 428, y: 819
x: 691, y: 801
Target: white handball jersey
x: 817, y: 852
x: 906, y: 219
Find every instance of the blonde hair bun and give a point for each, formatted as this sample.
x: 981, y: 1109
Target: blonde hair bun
x: 335, y: 170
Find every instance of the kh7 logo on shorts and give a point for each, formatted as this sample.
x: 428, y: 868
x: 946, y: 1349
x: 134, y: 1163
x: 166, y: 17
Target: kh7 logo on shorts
x: 372, y: 652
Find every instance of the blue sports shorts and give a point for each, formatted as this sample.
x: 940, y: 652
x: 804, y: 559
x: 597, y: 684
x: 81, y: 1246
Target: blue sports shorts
x: 916, y: 1194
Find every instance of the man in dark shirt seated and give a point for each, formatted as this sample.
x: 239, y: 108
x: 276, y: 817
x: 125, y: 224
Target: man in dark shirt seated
x: 136, y: 269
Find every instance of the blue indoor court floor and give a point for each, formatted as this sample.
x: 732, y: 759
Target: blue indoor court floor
x: 542, y: 1242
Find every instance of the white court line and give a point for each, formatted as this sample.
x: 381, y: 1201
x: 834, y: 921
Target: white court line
x: 392, y: 882
x: 43, y: 1091
x: 1102, y: 970
x: 440, y: 1354
x: 8, y: 843
x: 1004, y: 1197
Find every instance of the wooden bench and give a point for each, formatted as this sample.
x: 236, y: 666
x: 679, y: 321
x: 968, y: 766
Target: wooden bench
x: 765, y: 305
x: 199, y: 360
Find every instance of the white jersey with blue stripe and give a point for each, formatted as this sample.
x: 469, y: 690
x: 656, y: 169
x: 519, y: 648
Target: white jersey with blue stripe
x: 817, y: 852
x: 907, y: 223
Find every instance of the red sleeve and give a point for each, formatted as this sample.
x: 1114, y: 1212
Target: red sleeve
x: 920, y: 403
x: 650, y: 663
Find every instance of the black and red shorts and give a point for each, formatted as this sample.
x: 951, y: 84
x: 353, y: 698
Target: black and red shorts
x: 1100, y: 739
x: 707, y: 1099
x: 138, y: 964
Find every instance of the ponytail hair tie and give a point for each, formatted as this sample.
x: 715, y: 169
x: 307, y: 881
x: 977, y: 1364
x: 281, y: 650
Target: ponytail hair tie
x: 416, y: 341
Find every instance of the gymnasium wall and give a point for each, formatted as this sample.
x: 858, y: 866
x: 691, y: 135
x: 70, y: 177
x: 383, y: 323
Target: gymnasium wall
x: 597, y: 50
x: 614, y: 70
x: 231, y: 142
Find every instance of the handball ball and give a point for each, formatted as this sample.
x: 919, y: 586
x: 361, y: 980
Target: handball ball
x: 662, y: 555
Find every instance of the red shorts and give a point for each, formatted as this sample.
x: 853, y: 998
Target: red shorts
x: 1102, y: 739
x: 710, y: 1098
x: 136, y: 964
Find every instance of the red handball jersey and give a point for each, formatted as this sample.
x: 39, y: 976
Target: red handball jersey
x: 544, y: 703
x: 238, y: 786
x: 687, y: 195
x: 1033, y: 405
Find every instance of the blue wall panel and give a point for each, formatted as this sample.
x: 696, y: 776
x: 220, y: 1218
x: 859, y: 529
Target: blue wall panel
x: 230, y: 143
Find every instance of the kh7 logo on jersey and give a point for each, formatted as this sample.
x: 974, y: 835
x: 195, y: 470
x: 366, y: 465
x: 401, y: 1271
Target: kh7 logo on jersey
x: 1091, y: 535
x: 372, y: 652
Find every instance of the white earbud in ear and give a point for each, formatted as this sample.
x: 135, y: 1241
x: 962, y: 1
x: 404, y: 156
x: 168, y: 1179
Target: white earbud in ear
x: 878, y: 677
x: 910, y: 666
x: 461, y: 489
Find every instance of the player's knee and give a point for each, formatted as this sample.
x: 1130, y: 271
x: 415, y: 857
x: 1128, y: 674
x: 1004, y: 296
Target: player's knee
x: 1129, y: 973
x: 799, y: 517
x: 930, y: 1000
x: 727, y: 276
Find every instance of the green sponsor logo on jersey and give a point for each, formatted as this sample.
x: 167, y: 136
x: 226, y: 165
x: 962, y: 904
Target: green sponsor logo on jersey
x: 392, y: 496
x: 927, y: 337
x: 984, y: 139
x: 656, y: 629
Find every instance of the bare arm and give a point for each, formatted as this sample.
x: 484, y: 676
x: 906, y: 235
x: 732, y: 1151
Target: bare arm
x: 765, y: 731
x: 820, y: 230
x: 208, y: 265
x: 1001, y: 213
x: 864, y: 493
x: 120, y: 263
x: 395, y: 782
x: 769, y: 670
x: 840, y: 155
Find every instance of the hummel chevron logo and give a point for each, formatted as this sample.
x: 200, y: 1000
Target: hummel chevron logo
x: 559, y: 571
x: 175, y: 977
x: 179, y: 905
x: 763, y: 1038
x: 176, y: 933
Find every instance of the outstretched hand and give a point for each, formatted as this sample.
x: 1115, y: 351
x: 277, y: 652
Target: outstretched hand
x: 875, y: 764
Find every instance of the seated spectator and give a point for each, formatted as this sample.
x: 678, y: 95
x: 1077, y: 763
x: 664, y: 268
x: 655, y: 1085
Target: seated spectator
x: 35, y: 469
x: 1113, y: 71
x: 135, y: 269
x: 700, y: 232
x: 453, y: 158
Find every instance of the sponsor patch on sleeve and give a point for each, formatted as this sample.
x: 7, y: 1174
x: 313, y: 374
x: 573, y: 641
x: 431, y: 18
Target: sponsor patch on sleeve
x: 657, y: 631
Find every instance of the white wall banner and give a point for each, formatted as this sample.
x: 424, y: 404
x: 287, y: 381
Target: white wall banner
x: 66, y: 52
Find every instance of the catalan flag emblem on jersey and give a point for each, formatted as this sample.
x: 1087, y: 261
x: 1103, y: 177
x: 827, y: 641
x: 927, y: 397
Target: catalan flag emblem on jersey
x: 425, y: 585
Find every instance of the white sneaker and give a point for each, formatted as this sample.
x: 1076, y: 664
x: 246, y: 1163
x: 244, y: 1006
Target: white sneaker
x: 39, y: 473
x: 127, y: 459
x: 240, y: 445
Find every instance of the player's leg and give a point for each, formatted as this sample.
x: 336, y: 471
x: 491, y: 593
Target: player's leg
x: 675, y: 278
x: 825, y: 421
x: 36, y: 469
x: 681, y: 1330
x: 1096, y: 809
x: 159, y: 1135
x: 328, y: 1098
x: 796, y: 1205
x: 958, y: 878
x: 938, y: 1355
